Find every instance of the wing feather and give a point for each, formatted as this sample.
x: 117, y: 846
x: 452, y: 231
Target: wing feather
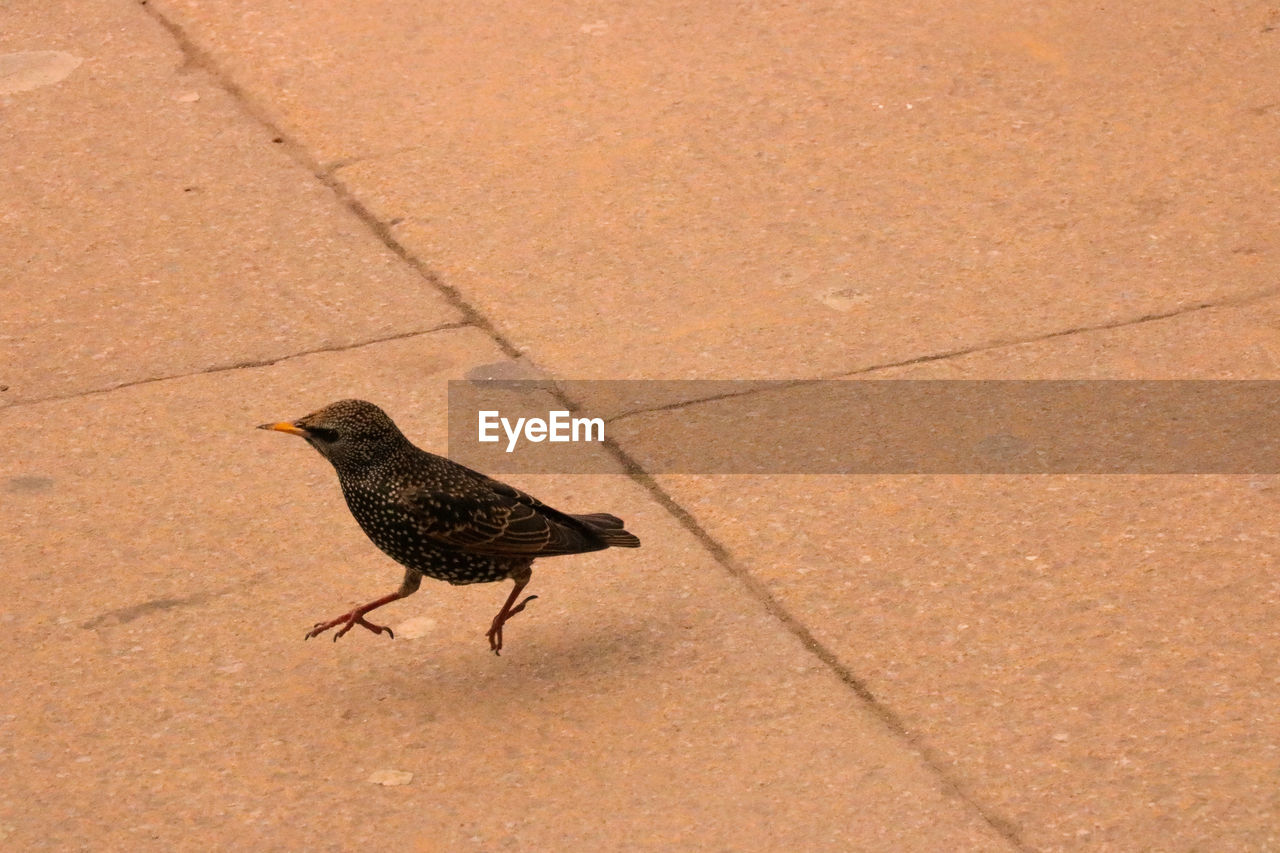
x: 494, y: 519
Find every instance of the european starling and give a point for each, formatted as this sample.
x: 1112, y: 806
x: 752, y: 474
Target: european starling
x: 438, y: 518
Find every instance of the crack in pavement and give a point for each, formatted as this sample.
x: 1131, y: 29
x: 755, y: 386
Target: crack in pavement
x: 239, y: 365
x: 356, y: 159
x: 122, y: 615
x: 1226, y: 302
x: 990, y: 346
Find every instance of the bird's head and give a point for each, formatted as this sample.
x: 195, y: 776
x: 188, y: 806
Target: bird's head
x: 349, y: 433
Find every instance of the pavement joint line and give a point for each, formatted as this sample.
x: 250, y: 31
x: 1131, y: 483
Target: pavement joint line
x: 356, y: 159
x: 756, y: 589
x: 197, y: 57
x: 1152, y: 317
x: 239, y: 365
x: 773, y: 385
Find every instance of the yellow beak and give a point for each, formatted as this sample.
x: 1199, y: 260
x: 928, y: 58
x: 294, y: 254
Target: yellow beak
x: 285, y: 427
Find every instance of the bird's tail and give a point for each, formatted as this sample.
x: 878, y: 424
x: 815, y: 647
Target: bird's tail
x: 609, y: 529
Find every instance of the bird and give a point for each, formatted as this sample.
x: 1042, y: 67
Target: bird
x: 437, y: 518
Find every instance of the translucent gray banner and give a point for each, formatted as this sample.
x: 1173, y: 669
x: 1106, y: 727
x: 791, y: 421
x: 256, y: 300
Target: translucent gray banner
x: 868, y: 427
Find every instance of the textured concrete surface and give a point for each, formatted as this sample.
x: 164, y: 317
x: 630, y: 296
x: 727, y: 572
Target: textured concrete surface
x: 628, y: 191
x: 150, y: 229
x: 1095, y: 658
x: 165, y: 559
x: 1116, y: 634
x: 787, y: 190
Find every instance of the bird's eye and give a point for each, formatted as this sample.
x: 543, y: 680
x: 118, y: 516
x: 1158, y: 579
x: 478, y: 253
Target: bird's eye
x: 324, y: 434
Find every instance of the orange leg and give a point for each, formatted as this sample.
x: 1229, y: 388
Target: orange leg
x: 356, y: 617
x: 507, y: 611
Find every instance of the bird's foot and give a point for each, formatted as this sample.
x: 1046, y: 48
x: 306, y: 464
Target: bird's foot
x: 356, y: 617
x: 347, y: 621
x: 495, y: 630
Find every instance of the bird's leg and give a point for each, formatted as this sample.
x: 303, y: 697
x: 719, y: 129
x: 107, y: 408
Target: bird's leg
x: 356, y: 617
x: 507, y: 611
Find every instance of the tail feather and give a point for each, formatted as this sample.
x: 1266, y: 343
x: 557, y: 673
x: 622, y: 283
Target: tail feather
x: 609, y: 529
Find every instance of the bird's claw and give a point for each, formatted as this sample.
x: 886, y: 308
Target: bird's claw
x: 495, y: 639
x: 347, y: 621
x: 495, y: 630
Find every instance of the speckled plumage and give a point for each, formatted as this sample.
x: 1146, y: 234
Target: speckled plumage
x: 437, y: 518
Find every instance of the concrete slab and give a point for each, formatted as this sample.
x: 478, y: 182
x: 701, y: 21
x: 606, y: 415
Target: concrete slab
x: 667, y: 189
x: 164, y: 560
x: 151, y: 228
x: 647, y: 190
x: 1092, y: 656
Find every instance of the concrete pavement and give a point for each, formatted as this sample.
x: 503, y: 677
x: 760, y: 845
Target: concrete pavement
x: 232, y: 213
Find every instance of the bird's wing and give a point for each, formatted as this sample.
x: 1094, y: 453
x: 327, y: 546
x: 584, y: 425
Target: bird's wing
x: 496, y: 520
